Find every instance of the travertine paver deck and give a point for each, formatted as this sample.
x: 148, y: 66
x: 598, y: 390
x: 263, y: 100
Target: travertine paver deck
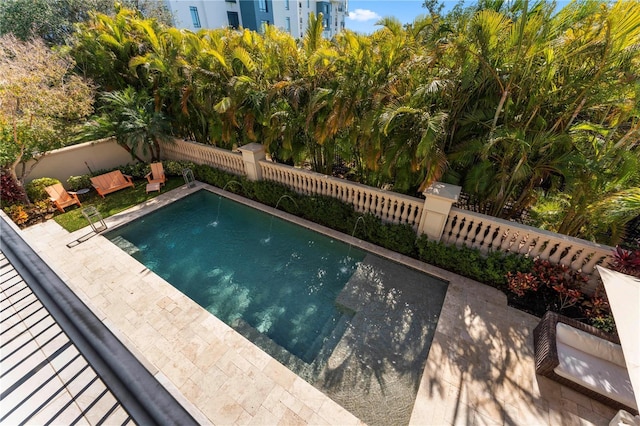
x: 479, y: 371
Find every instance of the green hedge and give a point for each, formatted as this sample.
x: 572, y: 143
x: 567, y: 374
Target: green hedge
x: 491, y: 269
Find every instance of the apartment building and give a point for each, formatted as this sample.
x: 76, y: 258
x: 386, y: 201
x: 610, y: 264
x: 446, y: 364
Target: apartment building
x: 289, y: 15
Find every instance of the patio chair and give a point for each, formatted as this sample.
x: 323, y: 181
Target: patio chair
x: 584, y: 359
x: 157, y: 174
x: 61, y: 198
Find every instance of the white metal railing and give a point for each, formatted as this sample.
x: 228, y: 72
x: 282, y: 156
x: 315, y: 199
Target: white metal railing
x: 389, y: 206
x: 204, y: 154
x: 487, y: 233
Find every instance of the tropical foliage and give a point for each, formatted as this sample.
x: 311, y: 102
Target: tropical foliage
x: 40, y: 102
x: 521, y: 104
x: 54, y: 20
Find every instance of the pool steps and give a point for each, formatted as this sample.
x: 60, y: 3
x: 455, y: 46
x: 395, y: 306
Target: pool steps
x: 308, y: 371
x: 125, y: 245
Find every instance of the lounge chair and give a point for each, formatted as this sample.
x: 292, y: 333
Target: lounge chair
x: 584, y: 359
x: 110, y: 182
x: 61, y: 198
x: 157, y: 174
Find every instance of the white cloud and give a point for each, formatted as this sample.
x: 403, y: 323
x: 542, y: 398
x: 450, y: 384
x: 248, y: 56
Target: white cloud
x: 363, y: 15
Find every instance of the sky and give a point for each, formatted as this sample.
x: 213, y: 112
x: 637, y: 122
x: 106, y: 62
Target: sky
x: 363, y: 14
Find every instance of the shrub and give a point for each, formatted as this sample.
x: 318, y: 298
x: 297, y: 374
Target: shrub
x: 75, y: 183
x: 175, y: 168
x: 213, y: 176
x: 604, y: 323
x: 626, y: 261
x: 491, y: 269
x: 17, y: 213
x: 400, y: 238
x: 548, y: 287
x: 10, y: 191
x: 35, y: 188
x: 28, y: 215
x: 136, y: 170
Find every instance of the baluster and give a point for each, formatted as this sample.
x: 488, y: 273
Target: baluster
x: 580, y: 259
x: 522, y: 244
x: 360, y: 200
x: 415, y: 215
x: 549, y: 245
x: 404, y: 212
x: 365, y: 201
x: 378, y: 204
x: 465, y: 224
x: 485, y: 238
x: 476, y: 234
x: 447, y: 235
x: 536, y: 248
x: 393, y: 212
x: 568, y: 259
x: 496, y: 238
x: 555, y: 256
x: 506, y: 240
x: 598, y: 258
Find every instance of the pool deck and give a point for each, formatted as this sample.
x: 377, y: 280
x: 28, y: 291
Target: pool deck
x: 480, y: 369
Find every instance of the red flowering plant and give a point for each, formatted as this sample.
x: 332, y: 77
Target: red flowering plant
x: 626, y: 261
x: 547, y: 287
x: 10, y: 192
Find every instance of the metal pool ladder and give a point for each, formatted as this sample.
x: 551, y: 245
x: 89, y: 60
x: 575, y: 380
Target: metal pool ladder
x: 95, y: 219
x: 187, y: 174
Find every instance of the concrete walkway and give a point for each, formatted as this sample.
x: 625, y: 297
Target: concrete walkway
x: 479, y: 370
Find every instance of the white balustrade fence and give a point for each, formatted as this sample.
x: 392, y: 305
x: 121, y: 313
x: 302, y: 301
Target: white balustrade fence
x: 389, y: 206
x: 487, y: 233
x: 204, y: 154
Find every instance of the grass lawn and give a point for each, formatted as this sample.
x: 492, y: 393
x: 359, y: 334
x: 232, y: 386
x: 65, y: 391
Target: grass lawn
x: 72, y: 220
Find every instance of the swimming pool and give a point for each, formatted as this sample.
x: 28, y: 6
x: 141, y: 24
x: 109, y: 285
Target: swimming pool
x: 355, y: 325
x: 253, y: 271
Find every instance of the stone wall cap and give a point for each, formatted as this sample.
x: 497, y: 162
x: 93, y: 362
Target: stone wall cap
x: 252, y: 147
x: 443, y: 190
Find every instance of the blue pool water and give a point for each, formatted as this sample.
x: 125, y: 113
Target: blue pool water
x: 248, y: 268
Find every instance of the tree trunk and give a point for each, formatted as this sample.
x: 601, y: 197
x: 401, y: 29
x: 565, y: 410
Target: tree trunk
x: 133, y: 154
x: 14, y: 176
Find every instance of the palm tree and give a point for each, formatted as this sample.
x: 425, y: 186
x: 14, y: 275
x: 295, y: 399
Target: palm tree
x: 132, y: 119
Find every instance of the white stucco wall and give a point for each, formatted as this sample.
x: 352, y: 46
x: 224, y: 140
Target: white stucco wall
x: 78, y: 159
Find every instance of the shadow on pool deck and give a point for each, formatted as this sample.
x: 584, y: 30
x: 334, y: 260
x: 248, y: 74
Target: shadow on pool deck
x: 375, y: 370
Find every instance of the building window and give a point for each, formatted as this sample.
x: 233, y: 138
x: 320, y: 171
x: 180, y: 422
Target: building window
x: 230, y: 1
x: 308, y: 4
x: 326, y: 8
x: 234, y: 21
x: 287, y: 24
x: 263, y: 5
x: 286, y: 4
x: 263, y: 26
x: 194, y: 16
